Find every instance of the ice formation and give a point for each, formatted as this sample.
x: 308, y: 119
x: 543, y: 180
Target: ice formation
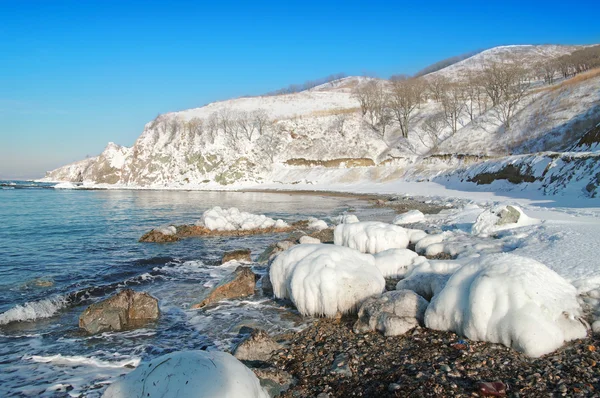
x: 218, y: 219
x: 411, y: 216
x: 508, y: 299
x: 168, y: 230
x: 316, y: 224
x: 371, y: 236
x: 428, y: 278
x: 200, y: 374
x: 308, y: 240
x: 344, y: 219
x: 499, y: 218
x: 325, y: 279
x: 396, y: 262
x: 415, y: 235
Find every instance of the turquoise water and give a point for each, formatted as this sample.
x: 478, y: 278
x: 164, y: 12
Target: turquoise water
x: 61, y: 250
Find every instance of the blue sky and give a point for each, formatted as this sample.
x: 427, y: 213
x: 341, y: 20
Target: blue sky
x: 75, y: 75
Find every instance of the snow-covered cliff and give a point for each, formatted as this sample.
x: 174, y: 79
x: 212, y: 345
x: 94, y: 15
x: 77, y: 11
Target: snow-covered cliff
x: 264, y: 139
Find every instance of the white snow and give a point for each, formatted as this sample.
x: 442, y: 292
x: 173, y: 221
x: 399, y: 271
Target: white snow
x: 200, y: 374
x: 508, y: 299
x: 308, y: 240
x: 167, y: 230
x: 316, y: 224
x: 370, y: 236
x: 344, y: 219
x: 396, y: 262
x: 325, y: 279
x: 428, y: 278
x: 410, y: 217
x: 218, y: 219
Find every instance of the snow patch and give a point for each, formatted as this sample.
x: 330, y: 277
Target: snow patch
x: 370, y: 236
x: 396, y: 262
x: 316, y: 224
x: 410, y: 217
x: 218, y: 219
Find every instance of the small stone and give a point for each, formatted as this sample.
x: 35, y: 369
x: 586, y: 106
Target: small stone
x: 394, y: 387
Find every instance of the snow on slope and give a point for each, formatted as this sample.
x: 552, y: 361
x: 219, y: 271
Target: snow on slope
x: 325, y: 124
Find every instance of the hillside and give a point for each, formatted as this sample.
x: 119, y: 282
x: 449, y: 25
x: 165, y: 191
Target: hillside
x: 268, y: 139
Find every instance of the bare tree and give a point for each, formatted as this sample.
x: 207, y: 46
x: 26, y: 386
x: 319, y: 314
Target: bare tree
x: 515, y: 83
x: 430, y: 134
x: 365, y: 93
x: 212, y: 126
x: 437, y: 85
x: 226, y: 123
x: 244, y: 125
x: 476, y: 100
x: 453, y: 104
x: 260, y: 119
x: 270, y: 143
x: 339, y: 121
x: 404, y: 98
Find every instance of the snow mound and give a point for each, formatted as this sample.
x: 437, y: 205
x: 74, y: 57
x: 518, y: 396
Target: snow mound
x: 500, y: 218
x: 371, y: 236
x: 189, y: 374
x: 308, y: 240
x: 316, y: 224
x: 428, y: 278
x: 218, y: 219
x: 168, y: 230
x: 415, y: 235
x: 393, y: 314
x: 396, y: 262
x: 508, y: 299
x: 431, y: 244
x: 344, y: 219
x: 410, y: 217
x: 325, y: 279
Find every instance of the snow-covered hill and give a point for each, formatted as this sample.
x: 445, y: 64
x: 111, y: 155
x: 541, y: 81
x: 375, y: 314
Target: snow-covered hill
x: 266, y: 139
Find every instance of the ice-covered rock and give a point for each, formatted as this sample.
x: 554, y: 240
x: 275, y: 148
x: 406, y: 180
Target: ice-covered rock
x: 499, y: 218
x: 410, y: 217
x: 371, y: 236
x: 308, y: 240
x: 325, y: 279
x: 508, y: 299
x: 199, y: 374
x: 396, y: 262
x: 428, y: 278
x: 344, y: 219
x: 316, y: 224
x: 218, y: 219
x: 393, y: 314
x: 415, y: 235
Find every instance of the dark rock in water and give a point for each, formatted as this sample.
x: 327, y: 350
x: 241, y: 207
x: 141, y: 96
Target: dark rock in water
x: 155, y: 236
x: 125, y: 310
x: 257, y: 347
x: 274, y: 381
x: 237, y: 255
x: 273, y: 250
x: 266, y: 285
x: 240, y: 283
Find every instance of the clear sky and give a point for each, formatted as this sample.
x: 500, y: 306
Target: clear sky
x: 75, y: 75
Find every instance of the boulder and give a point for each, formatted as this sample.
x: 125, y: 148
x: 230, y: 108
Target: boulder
x: 273, y: 250
x: 156, y: 236
x: 242, y: 255
x: 125, y: 310
x: 257, y: 347
x: 325, y: 236
x: 240, y: 283
x: 393, y: 314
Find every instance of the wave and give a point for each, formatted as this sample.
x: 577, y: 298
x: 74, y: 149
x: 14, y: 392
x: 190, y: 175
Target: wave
x: 33, y: 310
x: 78, y: 360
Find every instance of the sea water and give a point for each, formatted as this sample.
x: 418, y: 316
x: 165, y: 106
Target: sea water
x: 61, y: 250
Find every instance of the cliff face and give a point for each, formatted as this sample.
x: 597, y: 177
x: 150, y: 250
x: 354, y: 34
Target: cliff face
x: 262, y: 139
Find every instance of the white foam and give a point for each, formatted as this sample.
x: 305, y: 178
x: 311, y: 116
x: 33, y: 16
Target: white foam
x: 31, y: 311
x: 78, y: 360
x: 65, y: 185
